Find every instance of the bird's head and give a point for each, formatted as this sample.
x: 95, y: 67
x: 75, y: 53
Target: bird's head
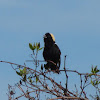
x: 49, y: 39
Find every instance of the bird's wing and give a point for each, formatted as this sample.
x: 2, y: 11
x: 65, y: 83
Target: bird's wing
x: 58, y: 53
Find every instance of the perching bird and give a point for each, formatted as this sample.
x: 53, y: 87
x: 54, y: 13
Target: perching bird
x: 51, y: 52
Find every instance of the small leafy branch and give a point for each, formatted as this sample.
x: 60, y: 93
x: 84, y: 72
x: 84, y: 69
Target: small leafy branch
x: 37, y: 81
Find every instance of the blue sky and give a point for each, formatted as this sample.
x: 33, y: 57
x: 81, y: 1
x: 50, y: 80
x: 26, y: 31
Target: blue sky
x: 74, y: 23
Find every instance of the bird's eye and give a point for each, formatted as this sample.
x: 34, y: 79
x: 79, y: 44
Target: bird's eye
x: 45, y: 36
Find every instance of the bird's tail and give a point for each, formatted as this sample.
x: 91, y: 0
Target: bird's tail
x: 51, y: 65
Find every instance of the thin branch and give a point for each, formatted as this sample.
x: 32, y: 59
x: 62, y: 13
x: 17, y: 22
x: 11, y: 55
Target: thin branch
x: 69, y: 98
x: 59, y: 70
x: 66, y: 74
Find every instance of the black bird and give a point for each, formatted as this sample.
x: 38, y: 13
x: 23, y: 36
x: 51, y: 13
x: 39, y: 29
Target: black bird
x: 51, y: 52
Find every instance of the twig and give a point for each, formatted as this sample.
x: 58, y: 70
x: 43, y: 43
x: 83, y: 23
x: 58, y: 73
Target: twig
x: 69, y: 98
x: 66, y: 74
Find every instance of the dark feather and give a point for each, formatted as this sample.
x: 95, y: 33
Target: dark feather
x: 51, y: 53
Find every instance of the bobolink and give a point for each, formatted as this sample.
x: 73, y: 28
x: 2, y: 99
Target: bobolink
x: 51, y: 52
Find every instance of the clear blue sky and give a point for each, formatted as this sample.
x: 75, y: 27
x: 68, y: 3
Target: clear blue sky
x: 74, y: 23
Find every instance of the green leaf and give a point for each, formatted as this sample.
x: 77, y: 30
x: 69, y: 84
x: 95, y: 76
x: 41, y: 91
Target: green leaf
x: 95, y: 70
x: 34, y: 46
x: 24, y: 70
x: 41, y: 48
x: 92, y: 82
x: 24, y: 79
x: 96, y: 82
x: 19, y: 73
x: 31, y: 47
x: 37, y: 78
x: 92, y: 70
x: 39, y: 44
x: 30, y: 80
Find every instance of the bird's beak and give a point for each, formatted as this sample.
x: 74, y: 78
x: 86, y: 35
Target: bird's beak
x: 44, y: 36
